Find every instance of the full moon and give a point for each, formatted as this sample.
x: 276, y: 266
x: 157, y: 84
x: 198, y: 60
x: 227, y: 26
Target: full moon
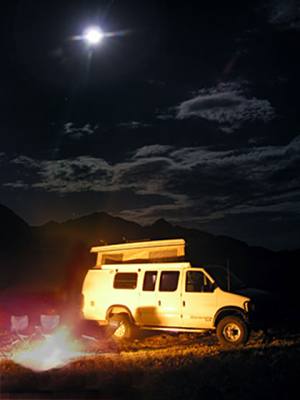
x: 93, y: 35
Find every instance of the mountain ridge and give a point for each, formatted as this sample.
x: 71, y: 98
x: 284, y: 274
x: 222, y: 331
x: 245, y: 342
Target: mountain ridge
x: 58, y: 250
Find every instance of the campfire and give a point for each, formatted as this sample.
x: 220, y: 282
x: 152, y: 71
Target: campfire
x: 51, y: 345
x: 49, y: 351
x: 44, y: 347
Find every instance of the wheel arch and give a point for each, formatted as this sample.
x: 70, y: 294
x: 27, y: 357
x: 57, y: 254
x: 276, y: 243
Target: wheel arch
x: 119, y: 309
x: 229, y: 311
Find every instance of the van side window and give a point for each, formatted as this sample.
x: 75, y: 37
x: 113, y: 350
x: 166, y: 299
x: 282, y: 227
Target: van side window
x: 149, y: 280
x: 168, y: 281
x: 196, y: 281
x: 125, y: 280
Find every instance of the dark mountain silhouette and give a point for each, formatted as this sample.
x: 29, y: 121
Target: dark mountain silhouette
x: 259, y: 266
x: 56, y: 255
x: 15, y: 243
x: 12, y: 229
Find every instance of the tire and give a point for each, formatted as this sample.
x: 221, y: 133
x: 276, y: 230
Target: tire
x: 232, y: 331
x: 123, y: 329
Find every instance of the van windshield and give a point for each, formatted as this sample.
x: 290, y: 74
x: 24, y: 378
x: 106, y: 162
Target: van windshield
x: 225, y: 279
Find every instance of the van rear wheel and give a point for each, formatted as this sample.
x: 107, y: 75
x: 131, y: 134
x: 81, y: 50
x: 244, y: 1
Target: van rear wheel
x: 122, y: 326
x: 232, y: 331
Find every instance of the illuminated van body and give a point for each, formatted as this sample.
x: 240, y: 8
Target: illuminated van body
x: 147, y: 285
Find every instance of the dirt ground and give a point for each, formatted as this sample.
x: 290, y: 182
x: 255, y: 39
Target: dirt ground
x: 160, y: 366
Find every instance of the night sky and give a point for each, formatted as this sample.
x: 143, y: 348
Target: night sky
x: 187, y: 111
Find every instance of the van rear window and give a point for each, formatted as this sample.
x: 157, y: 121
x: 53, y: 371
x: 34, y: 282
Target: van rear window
x: 125, y: 280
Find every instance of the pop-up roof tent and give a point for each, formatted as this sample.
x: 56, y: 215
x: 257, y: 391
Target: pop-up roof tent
x: 146, y: 251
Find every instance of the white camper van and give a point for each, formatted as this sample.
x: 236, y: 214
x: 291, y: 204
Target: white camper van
x: 147, y: 285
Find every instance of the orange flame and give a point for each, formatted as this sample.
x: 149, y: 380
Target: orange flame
x: 53, y: 351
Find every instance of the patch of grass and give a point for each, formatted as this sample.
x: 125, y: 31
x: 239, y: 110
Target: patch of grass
x: 172, y: 367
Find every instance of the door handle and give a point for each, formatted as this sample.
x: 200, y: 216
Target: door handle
x: 159, y: 302
x: 183, y: 303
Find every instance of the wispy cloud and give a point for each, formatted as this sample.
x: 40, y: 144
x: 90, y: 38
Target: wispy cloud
x: 19, y: 184
x: 284, y: 14
x: 228, y: 105
x: 133, y: 125
x: 202, y: 183
x: 26, y: 161
x: 152, y: 150
x: 74, y: 132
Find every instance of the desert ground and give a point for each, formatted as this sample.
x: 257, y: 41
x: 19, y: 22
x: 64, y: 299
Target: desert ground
x: 167, y: 366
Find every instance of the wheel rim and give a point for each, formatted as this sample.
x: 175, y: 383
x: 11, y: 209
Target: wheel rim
x: 120, y: 331
x: 232, y: 332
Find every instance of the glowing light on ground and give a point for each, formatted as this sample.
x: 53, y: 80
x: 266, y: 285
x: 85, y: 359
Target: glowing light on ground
x: 52, y: 351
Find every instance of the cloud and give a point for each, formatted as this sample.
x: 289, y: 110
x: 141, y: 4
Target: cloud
x: 228, y: 105
x: 25, y: 161
x: 284, y: 14
x: 87, y: 173
x: 74, y: 175
x: 133, y: 125
x: 165, y: 116
x: 78, y: 132
x: 19, y: 184
x: 198, y: 183
x: 152, y: 150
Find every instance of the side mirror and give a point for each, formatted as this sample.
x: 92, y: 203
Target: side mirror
x: 210, y: 287
x: 214, y: 286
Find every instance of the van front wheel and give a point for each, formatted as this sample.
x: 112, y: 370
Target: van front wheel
x: 232, y: 331
x: 122, y: 326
